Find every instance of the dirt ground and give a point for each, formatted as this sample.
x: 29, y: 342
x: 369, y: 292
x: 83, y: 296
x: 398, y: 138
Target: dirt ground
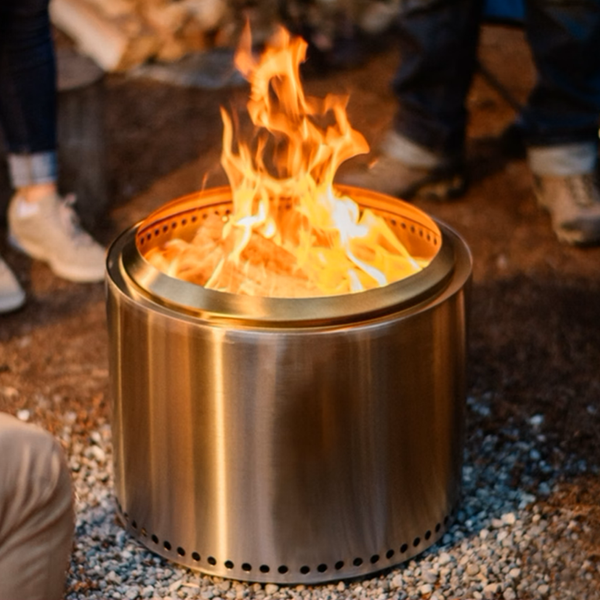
x: 535, y: 314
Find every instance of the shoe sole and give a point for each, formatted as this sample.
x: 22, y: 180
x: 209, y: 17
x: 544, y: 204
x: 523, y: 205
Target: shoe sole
x: 11, y: 303
x: 440, y: 190
x: 571, y: 237
x: 440, y: 187
x: 68, y: 272
x: 576, y: 238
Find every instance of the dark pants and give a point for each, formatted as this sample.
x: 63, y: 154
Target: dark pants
x: 438, y: 41
x: 27, y: 77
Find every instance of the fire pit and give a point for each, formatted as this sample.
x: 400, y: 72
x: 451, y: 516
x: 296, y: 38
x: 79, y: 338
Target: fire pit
x: 287, y: 440
x: 287, y: 356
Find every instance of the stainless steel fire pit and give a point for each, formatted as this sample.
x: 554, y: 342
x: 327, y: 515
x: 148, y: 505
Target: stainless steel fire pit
x: 287, y: 440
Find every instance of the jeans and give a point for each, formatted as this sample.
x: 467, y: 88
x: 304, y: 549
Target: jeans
x: 28, y: 90
x: 438, y: 42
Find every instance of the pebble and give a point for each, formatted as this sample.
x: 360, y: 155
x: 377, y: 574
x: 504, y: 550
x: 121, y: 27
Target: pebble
x: 536, y: 420
x: 96, y: 453
x: 500, y: 524
x: 509, y: 518
x: 509, y: 594
x: 543, y: 589
x: 490, y: 590
x: 430, y: 576
x: 23, y: 414
x: 514, y: 573
x: 10, y: 392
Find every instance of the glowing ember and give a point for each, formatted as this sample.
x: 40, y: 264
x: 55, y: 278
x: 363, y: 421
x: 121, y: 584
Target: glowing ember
x: 290, y: 233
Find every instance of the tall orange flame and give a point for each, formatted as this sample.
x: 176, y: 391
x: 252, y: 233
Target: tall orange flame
x: 282, y: 186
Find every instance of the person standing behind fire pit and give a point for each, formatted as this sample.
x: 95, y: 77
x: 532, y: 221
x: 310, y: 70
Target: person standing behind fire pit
x: 41, y: 223
x: 423, y: 154
x: 36, y: 513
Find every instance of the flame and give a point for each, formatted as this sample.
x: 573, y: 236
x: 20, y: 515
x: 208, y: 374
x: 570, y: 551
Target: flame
x: 288, y: 219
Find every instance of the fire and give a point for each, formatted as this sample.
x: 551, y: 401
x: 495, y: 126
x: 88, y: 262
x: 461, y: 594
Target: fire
x: 290, y: 232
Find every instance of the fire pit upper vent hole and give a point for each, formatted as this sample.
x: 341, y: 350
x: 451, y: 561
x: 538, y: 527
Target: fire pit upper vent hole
x: 181, y: 219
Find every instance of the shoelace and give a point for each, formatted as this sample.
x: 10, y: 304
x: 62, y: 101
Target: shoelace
x: 584, y: 190
x: 70, y: 221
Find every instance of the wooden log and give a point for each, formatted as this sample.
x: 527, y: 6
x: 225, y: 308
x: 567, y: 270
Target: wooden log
x: 259, y: 280
x: 264, y: 268
x: 167, y: 20
x: 209, y: 14
x: 114, y: 8
x: 114, y: 44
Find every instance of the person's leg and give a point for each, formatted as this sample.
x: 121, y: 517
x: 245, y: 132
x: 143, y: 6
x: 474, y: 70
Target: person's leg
x: 28, y: 94
x: 36, y: 509
x: 423, y: 153
x: 40, y: 222
x: 438, y: 44
x: 27, y: 111
x: 564, y: 105
x: 562, y: 116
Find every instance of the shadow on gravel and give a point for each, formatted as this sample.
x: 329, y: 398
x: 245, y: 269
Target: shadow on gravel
x: 50, y: 302
x: 534, y: 349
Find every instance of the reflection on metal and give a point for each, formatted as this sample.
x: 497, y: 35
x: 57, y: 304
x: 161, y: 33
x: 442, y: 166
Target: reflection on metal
x: 288, y: 440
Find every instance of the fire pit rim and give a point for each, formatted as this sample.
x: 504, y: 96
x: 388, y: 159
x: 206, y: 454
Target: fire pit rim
x: 126, y: 263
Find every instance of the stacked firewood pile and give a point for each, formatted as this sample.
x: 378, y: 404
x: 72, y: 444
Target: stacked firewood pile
x: 121, y: 34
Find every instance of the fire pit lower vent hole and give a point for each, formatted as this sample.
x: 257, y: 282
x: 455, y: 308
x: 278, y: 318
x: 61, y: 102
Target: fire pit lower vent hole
x: 284, y: 569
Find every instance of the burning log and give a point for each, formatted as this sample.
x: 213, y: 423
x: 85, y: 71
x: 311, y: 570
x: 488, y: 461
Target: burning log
x: 263, y: 268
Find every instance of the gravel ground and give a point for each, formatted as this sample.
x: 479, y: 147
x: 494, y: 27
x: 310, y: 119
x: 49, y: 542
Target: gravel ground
x: 506, y: 542
x: 529, y: 521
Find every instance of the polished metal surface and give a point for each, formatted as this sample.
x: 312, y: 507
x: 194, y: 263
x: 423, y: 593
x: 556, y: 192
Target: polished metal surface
x: 287, y: 450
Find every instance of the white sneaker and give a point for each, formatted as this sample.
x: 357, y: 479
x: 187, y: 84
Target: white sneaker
x: 12, y: 295
x: 49, y: 230
x: 440, y: 179
x: 574, y: 206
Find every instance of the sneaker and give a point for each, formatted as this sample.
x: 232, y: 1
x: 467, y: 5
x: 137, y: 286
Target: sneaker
x: 574, y: 205
x: 389, y: 174
x: 49, y: 230
x: 12, y: 295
